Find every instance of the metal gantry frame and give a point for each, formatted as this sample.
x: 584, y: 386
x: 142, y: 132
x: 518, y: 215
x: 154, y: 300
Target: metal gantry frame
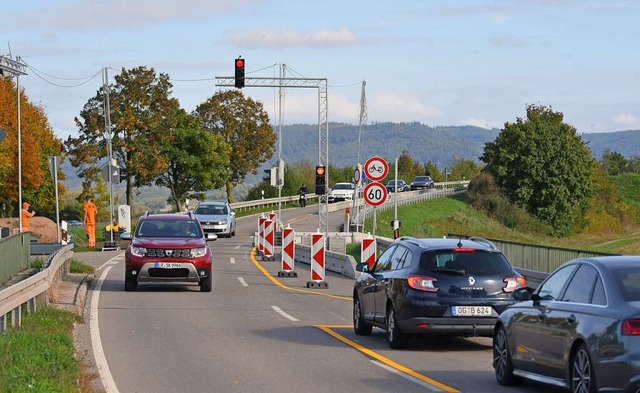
x: 323, y: 123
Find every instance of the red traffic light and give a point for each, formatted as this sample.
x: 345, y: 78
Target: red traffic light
x: 239, y: 63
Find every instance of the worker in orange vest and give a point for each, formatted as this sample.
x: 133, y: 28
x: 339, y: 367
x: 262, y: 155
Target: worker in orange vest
x: 90, y: 212
x: 26, y: 215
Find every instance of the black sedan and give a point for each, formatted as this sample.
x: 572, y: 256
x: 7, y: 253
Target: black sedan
x: 580, y: 329
x: 434, y: 286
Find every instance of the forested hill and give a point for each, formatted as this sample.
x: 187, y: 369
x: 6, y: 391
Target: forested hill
x: 441, y: 144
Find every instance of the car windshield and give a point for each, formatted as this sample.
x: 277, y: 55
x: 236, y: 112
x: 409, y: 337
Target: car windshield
x: 342, y: 187
x: 169, y: 228
x: 628, y: 280
x: 211, y: 210
x: 477, y: 262
x: 422, y: 178
x: 391, y: 183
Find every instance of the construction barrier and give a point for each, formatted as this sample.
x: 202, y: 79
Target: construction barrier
x: 368, y: 250
x: 288, y: 253
x: 317, y: 262
x: 269, y: 238
x: 261, y: 221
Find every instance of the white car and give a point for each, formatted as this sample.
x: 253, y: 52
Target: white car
x: 342, y: 192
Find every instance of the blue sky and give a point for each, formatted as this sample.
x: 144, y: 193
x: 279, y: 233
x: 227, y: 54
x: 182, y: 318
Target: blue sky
x: 436, y: 62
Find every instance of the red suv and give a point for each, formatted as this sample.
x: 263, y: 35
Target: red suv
x: 168, y: 248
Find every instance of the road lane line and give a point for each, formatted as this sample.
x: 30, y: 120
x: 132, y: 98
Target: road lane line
x: 236, y: 247
x: 328, y: 329
x: 232, y: 260
x: 98, y: 352
x: 284, y: 314
x: 243, y: 282
x: 407, y: 377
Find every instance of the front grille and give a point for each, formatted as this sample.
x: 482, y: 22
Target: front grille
x: 169, y: 253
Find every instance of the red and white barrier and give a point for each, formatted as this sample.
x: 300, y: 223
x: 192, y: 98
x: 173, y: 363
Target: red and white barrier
x: 288, y: 249
x: 368, y: 250
x: 317, y: 257
x: 269, y: 238
x: 261, y: 221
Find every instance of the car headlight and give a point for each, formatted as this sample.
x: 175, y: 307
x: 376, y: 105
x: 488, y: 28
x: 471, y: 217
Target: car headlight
x: 198, y: 252
x: 224, y: 222
x: 138, y: 251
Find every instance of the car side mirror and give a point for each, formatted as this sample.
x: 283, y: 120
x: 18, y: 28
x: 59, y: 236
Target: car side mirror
x: 126, y: 236
x: 362, y: 267
x: 523, y: 294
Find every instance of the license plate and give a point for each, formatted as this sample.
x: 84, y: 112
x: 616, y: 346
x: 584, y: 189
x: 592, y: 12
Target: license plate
x: 471, y: 311
x: 168, y: 265
x: 207, y: 227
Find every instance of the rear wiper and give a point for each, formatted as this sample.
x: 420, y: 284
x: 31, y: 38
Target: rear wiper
x: 458, y: 272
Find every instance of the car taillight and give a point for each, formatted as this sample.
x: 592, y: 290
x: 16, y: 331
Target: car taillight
x: 513, y: 283
x: 460, y: 249
x: 631, y: 327
x: 422, y: 283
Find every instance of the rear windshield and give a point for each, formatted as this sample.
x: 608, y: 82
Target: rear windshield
x: 628, y: 280
x: 475, y: 262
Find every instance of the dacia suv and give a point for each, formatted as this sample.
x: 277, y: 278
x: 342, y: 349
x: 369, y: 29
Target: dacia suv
x: 434, y: 286
x: 168, y: 248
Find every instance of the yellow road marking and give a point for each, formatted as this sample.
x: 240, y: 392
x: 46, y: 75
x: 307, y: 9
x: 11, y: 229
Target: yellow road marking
x: 278, y: 283
x: 328, y: 329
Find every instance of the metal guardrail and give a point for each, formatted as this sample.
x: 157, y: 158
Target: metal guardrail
x: 15, y: 255
x: 268, y: 201
x: 33, y: 289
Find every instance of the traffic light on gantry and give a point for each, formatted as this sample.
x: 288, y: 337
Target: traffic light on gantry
x: 321, y: 180
x: 239, y: 72
x: 122, y: 175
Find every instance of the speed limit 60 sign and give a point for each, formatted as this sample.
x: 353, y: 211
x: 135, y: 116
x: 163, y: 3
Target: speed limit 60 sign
x: 375, y: 194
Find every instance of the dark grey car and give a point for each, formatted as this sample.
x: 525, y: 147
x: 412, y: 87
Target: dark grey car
x: 579, y: 329
x: 434, y: 286
x: 422, y: 182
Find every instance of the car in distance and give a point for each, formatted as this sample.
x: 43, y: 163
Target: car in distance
x: 342, y: 192
x: 216, y: 217
x: 434, y: 286
x: 401, y: 185
x: 422, y: 182
x: 168, y: 248
x: 580, y: 329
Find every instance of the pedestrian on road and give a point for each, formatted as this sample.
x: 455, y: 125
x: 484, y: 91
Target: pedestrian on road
x: 90, y: 212
x: 26, y: 215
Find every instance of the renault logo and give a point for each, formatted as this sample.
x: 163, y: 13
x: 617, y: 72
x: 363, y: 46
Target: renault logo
x: 471, y: 280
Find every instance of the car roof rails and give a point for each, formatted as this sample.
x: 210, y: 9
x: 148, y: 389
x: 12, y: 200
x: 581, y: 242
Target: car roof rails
x: 484, y: 241
x: 145, y: 214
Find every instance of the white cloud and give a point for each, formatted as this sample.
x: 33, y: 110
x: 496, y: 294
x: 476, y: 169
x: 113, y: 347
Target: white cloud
x: 483, y: 123
x: 270, y: 38
x: 398, y: 107
x: 625, y: 119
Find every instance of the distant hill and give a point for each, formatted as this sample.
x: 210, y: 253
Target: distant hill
x: 441, y: 144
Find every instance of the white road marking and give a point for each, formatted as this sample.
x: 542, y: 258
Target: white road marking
x: 284, y: 314
x: 96, y: 342
x: 232, y: 260
x: 243, y: 282
x: 236, y: 247
x: 407, y: 377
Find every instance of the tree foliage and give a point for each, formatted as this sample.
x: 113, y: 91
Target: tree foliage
x: 244, y: 125
x: 37, y: 144
x: 197, y: 162
x: 142, y: 115
x: 543, y: 165
x: 613, y: 162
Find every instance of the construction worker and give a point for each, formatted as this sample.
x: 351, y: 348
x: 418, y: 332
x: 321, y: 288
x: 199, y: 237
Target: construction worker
x: 90, y: 212
x: 26, y: 215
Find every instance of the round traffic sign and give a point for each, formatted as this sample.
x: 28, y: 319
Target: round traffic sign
x: 376, y: 168
x: 356, y: 175
x: 375, y: 194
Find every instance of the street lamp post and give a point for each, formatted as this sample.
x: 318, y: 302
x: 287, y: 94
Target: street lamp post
x: 16, y: 68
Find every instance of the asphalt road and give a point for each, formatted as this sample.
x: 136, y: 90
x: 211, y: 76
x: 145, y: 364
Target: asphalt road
x: 257, y: 332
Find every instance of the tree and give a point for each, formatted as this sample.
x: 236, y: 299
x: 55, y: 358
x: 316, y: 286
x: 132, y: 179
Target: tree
x: 142, y: 115
x: 462, y: 169
x: 197, y: 160
x: 613, y: 162
x: 244, y: 125
x: 37, y: 144
x: 431, y: 169
x: 544, y: 166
